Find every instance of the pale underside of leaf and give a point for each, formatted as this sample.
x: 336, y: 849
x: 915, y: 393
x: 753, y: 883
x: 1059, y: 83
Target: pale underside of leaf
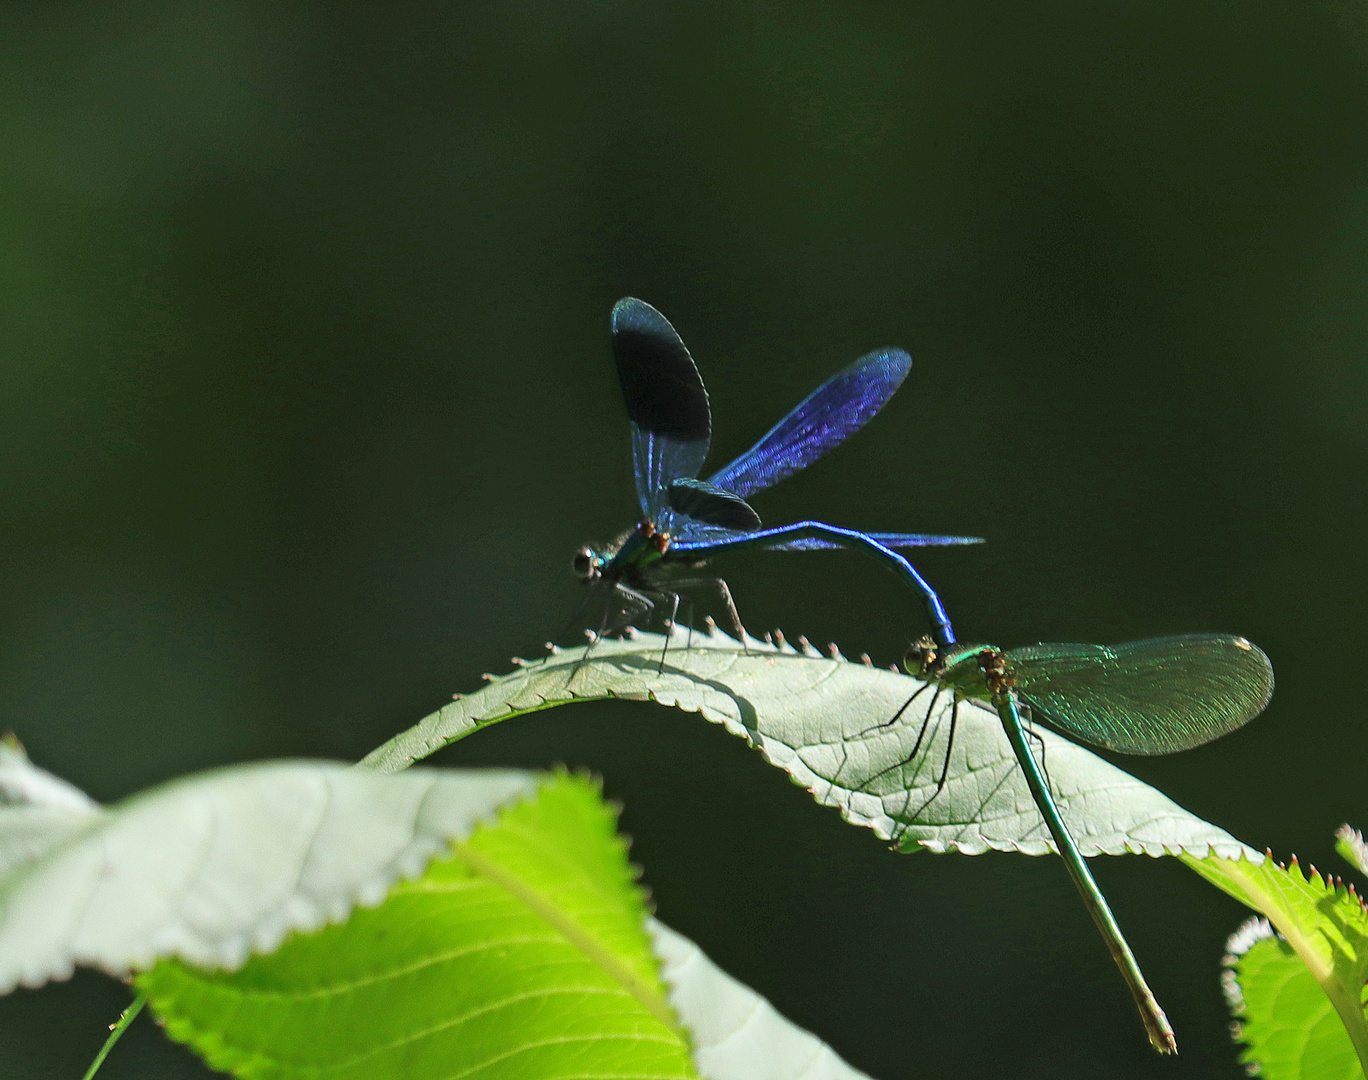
x: 826, y: 721
x: 217, y: 866
x: 737, y: 1034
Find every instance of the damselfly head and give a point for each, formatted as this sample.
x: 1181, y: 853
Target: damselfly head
x: 921, y: 657
x: 588, y: 564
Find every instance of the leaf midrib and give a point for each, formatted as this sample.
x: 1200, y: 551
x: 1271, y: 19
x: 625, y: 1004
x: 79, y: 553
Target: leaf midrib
x: 576, y: 934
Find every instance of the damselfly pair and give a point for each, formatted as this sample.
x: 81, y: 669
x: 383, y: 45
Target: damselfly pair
x: 1157, y: 696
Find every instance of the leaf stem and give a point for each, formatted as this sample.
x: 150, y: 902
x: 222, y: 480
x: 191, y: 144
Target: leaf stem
x: 1156, y: 1023
x: 115, y: 1033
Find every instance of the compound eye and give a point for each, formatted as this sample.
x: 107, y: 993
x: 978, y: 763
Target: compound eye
x: 584, y: 563
x: 921, y: 655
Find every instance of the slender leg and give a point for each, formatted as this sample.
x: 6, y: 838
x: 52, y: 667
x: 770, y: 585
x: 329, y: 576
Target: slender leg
x: 725, y: 593
x: 945, y: 765
x: 901, y: 709
x: 669, y: 629
x: 644, y: 603
x: 593, y: 589
x: 637, y: 602
x: 916, y: 747
x: 941, y: 630
x: 598, y: 634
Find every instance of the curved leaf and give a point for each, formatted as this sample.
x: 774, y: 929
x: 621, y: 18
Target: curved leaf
x: 829, y: 723
x: 219, y: 865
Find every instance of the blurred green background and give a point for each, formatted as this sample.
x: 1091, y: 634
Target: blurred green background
x: 306, y: 401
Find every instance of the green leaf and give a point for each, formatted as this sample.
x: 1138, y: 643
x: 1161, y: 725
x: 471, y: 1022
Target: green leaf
x: 1323, y: 922
x: 525, y: 954
x: 542, y: 907
x: 1349, y: 843
x: 828, y: 723
x: 1289, y: 1028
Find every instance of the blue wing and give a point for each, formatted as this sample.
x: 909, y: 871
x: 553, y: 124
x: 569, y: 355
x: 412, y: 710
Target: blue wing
x: 889, y: 540
x: 835, y: 410
x: 701, y: 503
x: 691, y: 535
x: 666, y: 402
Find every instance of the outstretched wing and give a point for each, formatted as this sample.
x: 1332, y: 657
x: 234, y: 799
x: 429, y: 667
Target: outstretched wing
x: 888, y: 540
x: 1156, y: 696
x: 666, y: 402
x: 836, y: 409
x: 692, y: 535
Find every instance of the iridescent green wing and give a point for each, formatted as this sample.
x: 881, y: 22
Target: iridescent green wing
x: 1155, y: 696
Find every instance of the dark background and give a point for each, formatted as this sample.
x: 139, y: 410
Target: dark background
x: 306, y: 401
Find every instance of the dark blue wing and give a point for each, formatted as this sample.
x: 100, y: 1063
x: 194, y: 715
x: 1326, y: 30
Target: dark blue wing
x: 708, y: 505
x: 666, y: 402
x: 836, y: 409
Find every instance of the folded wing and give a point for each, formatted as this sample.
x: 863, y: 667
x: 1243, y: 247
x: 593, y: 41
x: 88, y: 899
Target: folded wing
x: 666, y: 402
x: 1156, y: 696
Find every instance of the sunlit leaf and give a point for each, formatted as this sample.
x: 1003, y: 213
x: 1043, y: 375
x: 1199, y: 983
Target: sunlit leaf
x: 526, y: 953
x: 1351, y: 847
x: 1325, y: 925
x: 829, y: 723
x: 1288, y: 1026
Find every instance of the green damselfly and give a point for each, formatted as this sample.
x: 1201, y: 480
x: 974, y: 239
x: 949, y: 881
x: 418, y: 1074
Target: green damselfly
x: 1156, y: 696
